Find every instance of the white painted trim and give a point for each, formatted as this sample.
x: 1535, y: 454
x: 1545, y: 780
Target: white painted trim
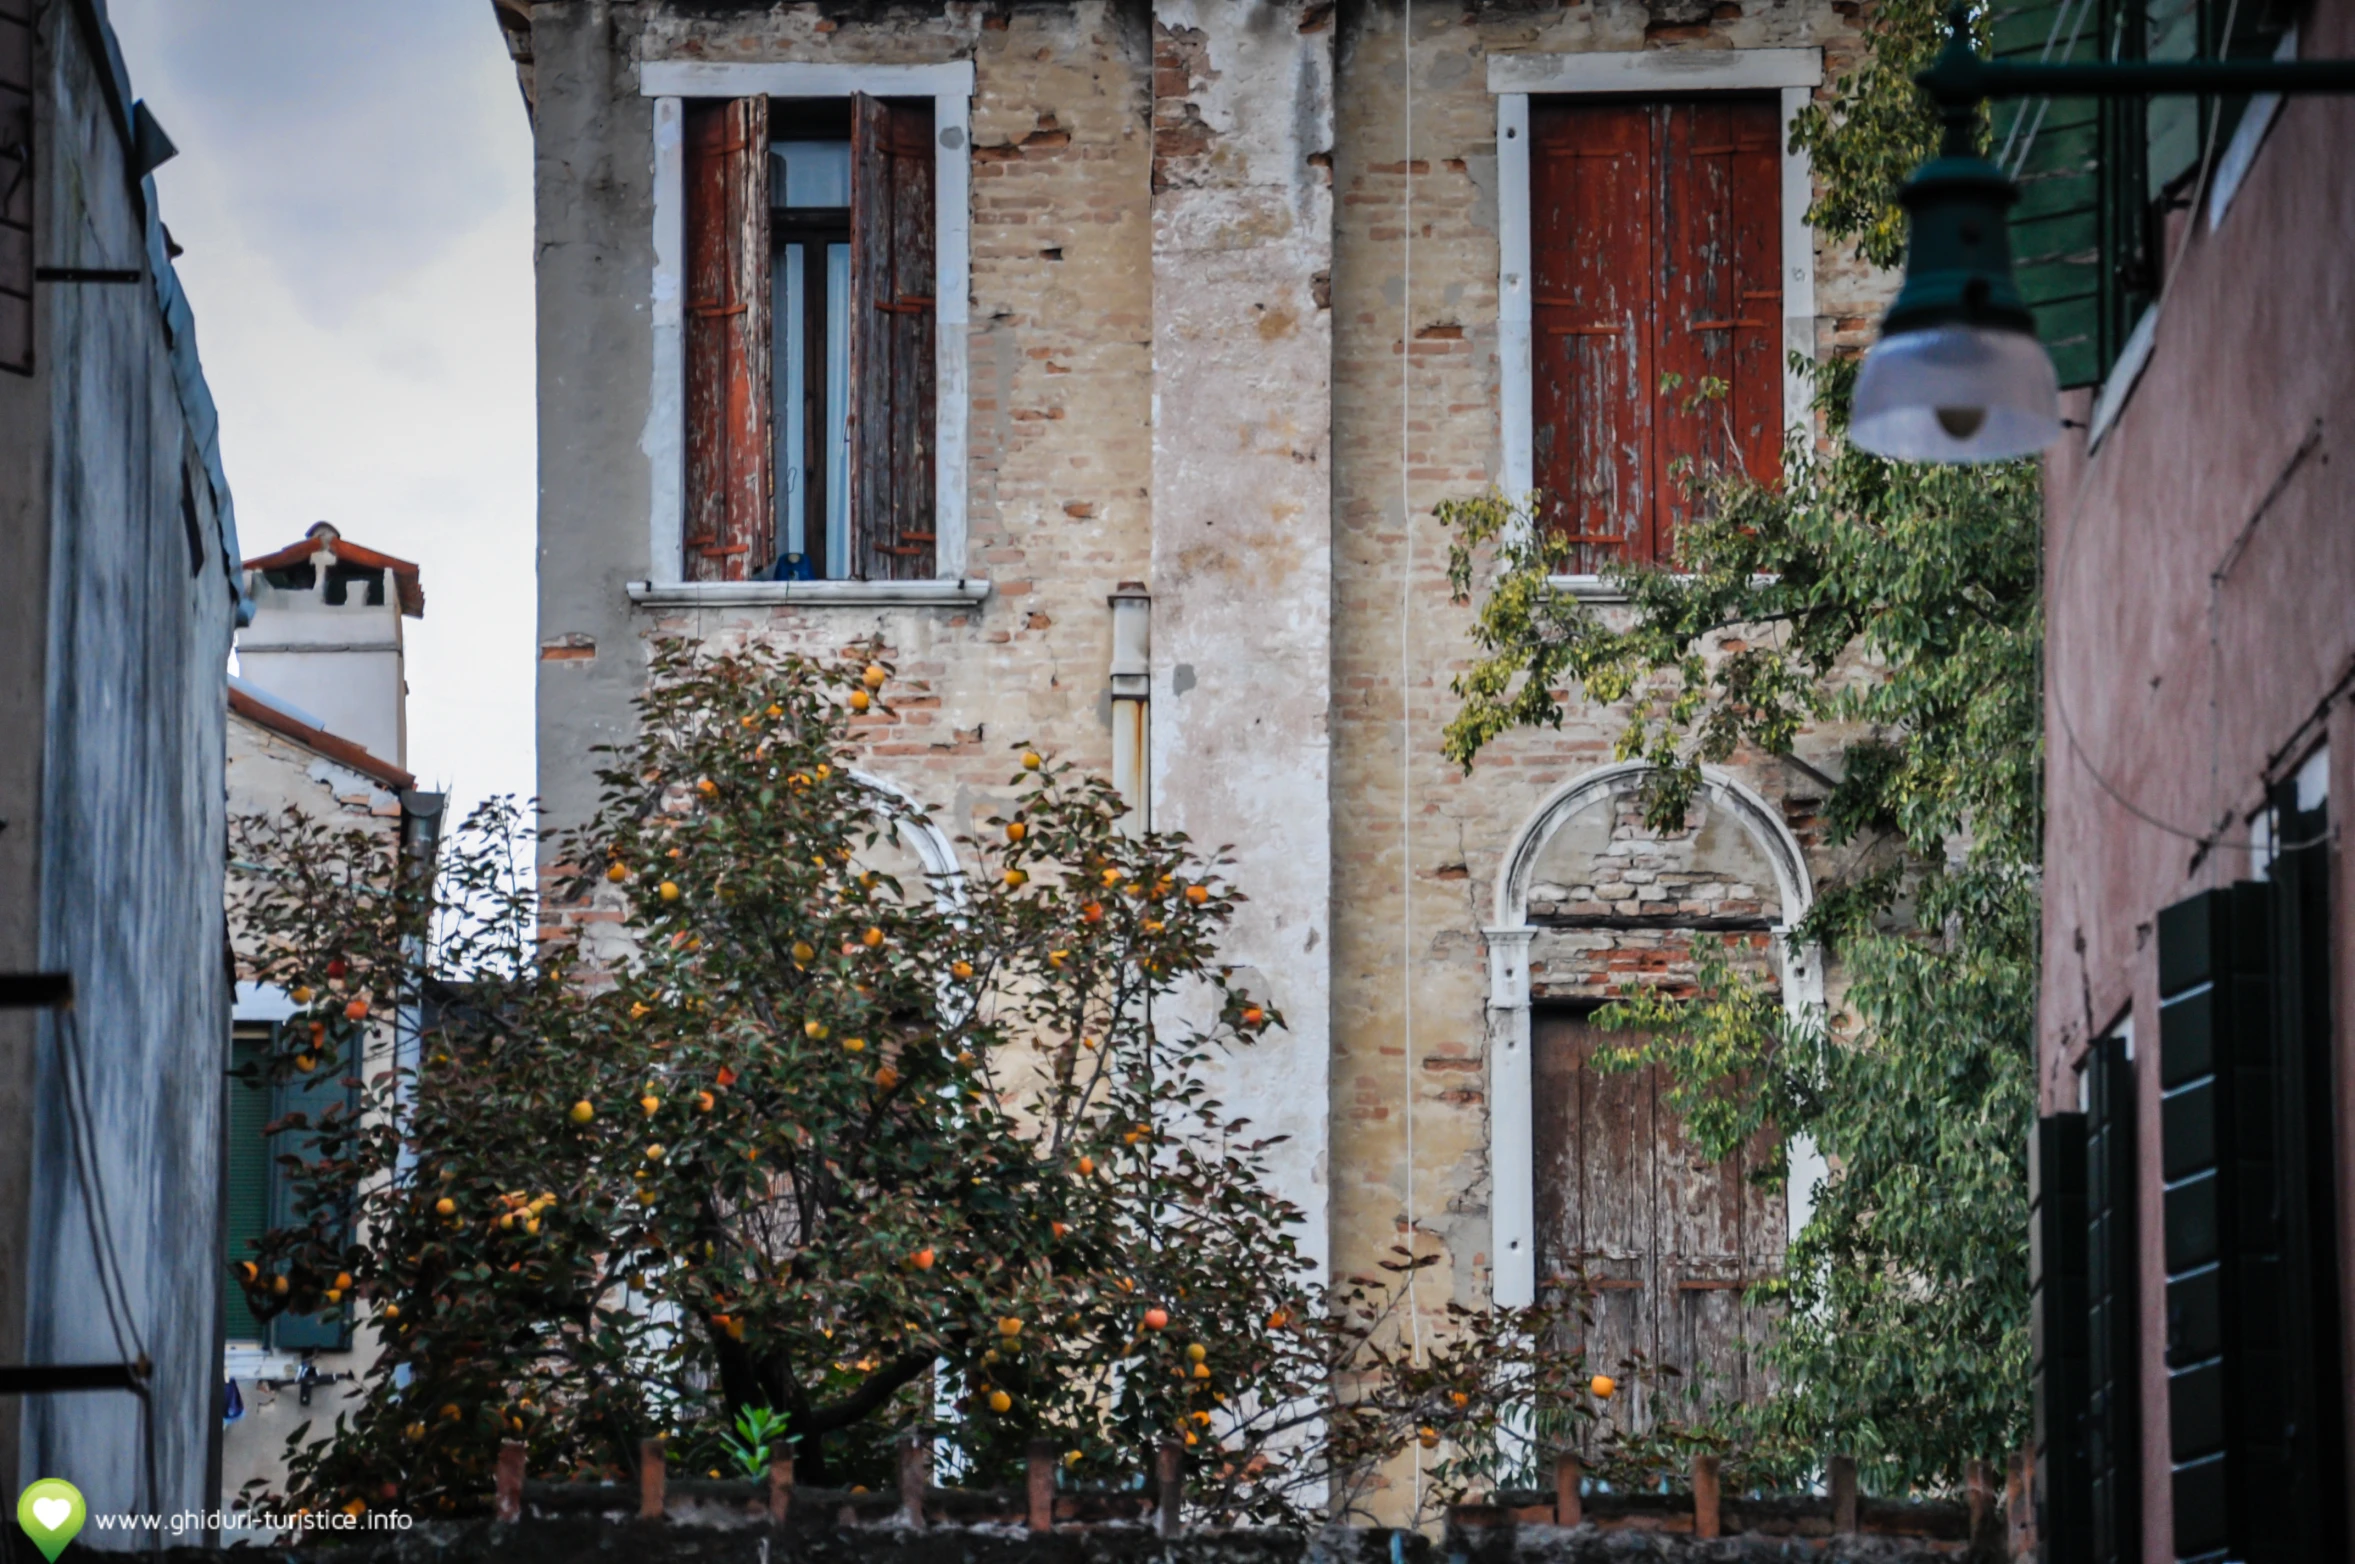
x: 1656, y: 70
x: 2248, y: 138
x: 1515, y: 371
x: 950, y: 87
x: 2133, y: 358
x: 665, y: 437
x: 954, y: 593
x: 927, y: 841
x: 802, y: 79
x: 262, y: 1002
x: 1794, y: 73
x: 1512, y: 1181
x: 1512, y: 1135
x: 1798, y: 264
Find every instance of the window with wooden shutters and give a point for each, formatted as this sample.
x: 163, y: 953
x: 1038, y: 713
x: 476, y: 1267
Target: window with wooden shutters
x: 16, y: 186
x: 729, y: 535
x: 1656, y: 329
x: 891, y: 352
x: 2098, y: 179
x: 811, y: 340
x: 260, y: 1192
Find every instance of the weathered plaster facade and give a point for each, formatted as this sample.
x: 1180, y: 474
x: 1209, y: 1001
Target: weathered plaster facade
x: 1237, y: 323
x: 118, y: 590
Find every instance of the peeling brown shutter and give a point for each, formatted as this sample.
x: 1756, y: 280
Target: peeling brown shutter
x: 891, y: 340
x: 16, y: 186
x: 1658, y: 248
x: 731, y: 526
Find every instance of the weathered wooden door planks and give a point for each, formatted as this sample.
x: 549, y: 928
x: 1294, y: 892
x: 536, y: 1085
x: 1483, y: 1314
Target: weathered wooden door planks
x: 1668, y: 1238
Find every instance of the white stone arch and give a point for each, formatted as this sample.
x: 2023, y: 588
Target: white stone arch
x: 1511, y: 1141
x: 919, y: 835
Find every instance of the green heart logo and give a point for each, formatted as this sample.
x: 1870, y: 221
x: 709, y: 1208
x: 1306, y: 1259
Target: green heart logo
x: 51, y: 1511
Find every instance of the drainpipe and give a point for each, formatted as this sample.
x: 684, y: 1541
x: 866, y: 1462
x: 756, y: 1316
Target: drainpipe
x: 1132, y: 701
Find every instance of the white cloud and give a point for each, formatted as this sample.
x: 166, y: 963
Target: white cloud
x: 353, y: 192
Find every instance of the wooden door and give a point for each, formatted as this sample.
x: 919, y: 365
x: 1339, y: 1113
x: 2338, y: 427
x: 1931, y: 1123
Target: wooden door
x: 1668, y: 1239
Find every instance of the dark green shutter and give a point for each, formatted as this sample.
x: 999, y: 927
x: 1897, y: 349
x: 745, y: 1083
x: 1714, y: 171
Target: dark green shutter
x: 2056, y: 151
x: 313, y: 1095
x: 2113, y: 1424
x: 2252, y: 1359
x: 2311, y: 1511
x: 2057, y: 1315
x: 2215, y: 1055
x: 247, y: 1194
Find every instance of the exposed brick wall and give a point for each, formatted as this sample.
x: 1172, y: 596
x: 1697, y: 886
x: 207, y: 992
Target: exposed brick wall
x: 1411, y: 923
x: 1089, y: 119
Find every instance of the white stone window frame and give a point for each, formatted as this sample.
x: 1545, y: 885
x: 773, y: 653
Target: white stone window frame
x: 1514, y: 79
x: 1512, y: 1147
x: 670, y: 83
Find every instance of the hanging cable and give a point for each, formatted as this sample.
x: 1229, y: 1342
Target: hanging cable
x: 1406, y: 707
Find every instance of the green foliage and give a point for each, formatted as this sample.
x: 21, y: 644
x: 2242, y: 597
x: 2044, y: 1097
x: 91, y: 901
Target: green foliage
x: 1900, y: 603
x: 806, y: 1152
x: 1866, y: 141
x: 757, y: 1439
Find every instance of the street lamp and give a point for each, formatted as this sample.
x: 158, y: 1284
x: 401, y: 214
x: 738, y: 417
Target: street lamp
x: 1958, y: 375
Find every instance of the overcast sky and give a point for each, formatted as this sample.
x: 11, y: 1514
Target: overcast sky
x: 353, y: 191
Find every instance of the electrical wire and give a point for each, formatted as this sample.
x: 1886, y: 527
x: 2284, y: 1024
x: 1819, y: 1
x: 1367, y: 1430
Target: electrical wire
x: 1406, y: 709
x: 105, y: 1256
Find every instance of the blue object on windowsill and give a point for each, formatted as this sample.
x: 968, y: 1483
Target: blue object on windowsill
x: 232, y: 1404
x: 792, y: 567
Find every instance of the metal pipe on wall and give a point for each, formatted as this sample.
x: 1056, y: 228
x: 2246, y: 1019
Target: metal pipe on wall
x: 1132, y: 702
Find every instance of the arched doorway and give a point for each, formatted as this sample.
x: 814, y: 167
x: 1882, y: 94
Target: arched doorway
x: 1591, y: 1170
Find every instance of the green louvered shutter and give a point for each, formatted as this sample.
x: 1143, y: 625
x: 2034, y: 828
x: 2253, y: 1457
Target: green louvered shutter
x: 247, y: 1196
x: 2055, y: 150
x: 2058, y: 1338
x: 2311, y: 1512
x: 2113, y: 1264
x: 2215, y: 1049
x: 313, y: 1095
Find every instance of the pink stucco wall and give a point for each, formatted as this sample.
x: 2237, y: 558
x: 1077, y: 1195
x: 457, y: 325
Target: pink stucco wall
x: 2201, y: 586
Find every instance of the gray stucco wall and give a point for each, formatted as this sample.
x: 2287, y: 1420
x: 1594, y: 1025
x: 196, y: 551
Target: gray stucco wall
x: 120, y: 622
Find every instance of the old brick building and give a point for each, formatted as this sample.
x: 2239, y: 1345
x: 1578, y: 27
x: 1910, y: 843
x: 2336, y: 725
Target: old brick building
x: 941, y: 322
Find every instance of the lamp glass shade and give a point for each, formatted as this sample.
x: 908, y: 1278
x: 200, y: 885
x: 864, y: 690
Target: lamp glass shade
x: 1956, y: 393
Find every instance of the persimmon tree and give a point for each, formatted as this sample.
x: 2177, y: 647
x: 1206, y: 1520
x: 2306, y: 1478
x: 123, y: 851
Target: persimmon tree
x: 798, y: 1127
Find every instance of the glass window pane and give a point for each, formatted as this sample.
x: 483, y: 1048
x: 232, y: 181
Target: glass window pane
x: 809, y: 173
x: 837, y: 410
x: 791, y: 354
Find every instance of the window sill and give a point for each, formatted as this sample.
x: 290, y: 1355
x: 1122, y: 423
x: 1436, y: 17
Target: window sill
x: 961, y: 592
x: 1589, y: 589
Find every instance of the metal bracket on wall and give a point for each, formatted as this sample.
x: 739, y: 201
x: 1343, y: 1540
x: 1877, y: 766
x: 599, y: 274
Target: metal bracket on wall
x: 36, y: 990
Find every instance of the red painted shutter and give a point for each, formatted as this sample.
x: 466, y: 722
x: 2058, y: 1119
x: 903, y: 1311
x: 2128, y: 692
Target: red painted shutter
x: 893, y: 315
x: 731, y: 526
x: 1658, y: 248
x: 16, y: 186
x: 1595, y: 273
x: 1720, y: 314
